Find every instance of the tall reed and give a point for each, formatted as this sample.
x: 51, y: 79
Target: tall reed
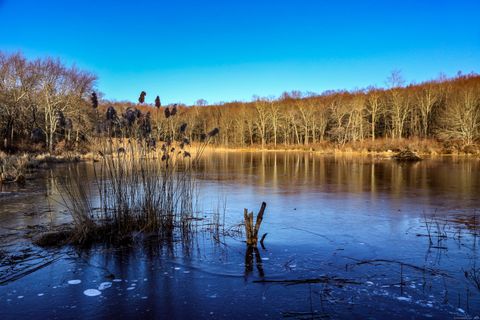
x: 140, y: 188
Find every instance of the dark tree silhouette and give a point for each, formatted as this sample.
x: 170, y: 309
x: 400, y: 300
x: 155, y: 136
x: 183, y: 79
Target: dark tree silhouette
x: 158, y: 104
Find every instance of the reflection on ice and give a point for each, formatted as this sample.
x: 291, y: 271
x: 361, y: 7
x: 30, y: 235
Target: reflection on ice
x: 328, y: 218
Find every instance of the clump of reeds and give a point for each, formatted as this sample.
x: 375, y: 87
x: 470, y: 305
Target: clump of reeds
x: 143, y: 185
x: 13, y: 168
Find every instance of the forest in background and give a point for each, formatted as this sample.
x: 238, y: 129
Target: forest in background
x: 47, y: 106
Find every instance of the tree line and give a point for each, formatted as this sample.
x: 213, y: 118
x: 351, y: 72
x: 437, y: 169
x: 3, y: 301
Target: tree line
x: 46, y: 103
x: 42, y: 101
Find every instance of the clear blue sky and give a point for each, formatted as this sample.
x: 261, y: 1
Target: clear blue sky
x: 231, y: 50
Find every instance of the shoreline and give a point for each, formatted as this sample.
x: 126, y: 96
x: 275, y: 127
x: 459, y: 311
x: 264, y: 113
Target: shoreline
x: 339, y: 152
x: 14, y: 167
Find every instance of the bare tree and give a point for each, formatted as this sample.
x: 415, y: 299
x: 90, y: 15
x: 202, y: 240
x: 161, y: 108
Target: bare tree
x: 426, y: 99
x: 261, y: 121
x: 61, y: 90
x: 16, y: 84
x: 461, y: 118
x: 373, y: 109
x: 275, y: 115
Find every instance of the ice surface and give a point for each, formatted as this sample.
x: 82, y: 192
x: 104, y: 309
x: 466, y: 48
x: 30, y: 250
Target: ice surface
x: 92, y: 292
x: 104, y: 285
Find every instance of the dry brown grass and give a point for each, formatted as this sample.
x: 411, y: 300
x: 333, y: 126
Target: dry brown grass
x: 138, y: 188
x: 13, y: 167
x: 384, y: 146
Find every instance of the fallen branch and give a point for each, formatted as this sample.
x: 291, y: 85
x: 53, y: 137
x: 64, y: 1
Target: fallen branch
x: 17, y: 276
x: 262, y: 239
x: 412, y: 266
x: 324, y: 279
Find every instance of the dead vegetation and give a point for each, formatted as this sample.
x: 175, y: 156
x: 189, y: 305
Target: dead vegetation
x: 336, y: 281
x: 138, y: 188
x: 13, y: 168
x: 376, y: 262
x: 407, y: 155
x: 251, y: 230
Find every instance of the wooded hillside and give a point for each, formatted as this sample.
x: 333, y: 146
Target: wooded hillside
x: 44, y: 103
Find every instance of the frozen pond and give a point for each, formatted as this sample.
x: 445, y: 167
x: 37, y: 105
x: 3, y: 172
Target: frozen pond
x: 347, y: 237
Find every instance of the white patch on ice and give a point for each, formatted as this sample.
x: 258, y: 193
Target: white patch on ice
x: 134, y: 284
x: 117, y: 280
x: 461, y: 310
x: 213, y: 296
x: 145, y: 279
x: 177, y: 268
x: 186, y: 271
x: 404, y: 299
x: 104, y: 285
x: 265, y: 259
x: 144, y: 297
x: 40, y: 294
x: 20, y: 297
x: 130, y: 288
x: 92, y: 292
x: 76, y: 281
x: 370, y: 283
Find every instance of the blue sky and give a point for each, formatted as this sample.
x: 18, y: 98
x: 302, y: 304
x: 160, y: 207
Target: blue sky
x: 231, y: 50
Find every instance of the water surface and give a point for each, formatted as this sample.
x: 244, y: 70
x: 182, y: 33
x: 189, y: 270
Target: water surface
x: 354, y: 230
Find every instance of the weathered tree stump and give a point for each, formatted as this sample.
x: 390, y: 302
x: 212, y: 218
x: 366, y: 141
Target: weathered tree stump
x: 250, y: 229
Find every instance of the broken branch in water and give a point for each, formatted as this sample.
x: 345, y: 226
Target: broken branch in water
x: 262, y: 239
x: 323, y: 279
x: 412, y: 266
x: 23, y: 273
x: 252, y: 230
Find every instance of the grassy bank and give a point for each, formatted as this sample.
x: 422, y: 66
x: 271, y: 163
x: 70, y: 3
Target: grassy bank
x: 15, y: 167
x: 382, y: 147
